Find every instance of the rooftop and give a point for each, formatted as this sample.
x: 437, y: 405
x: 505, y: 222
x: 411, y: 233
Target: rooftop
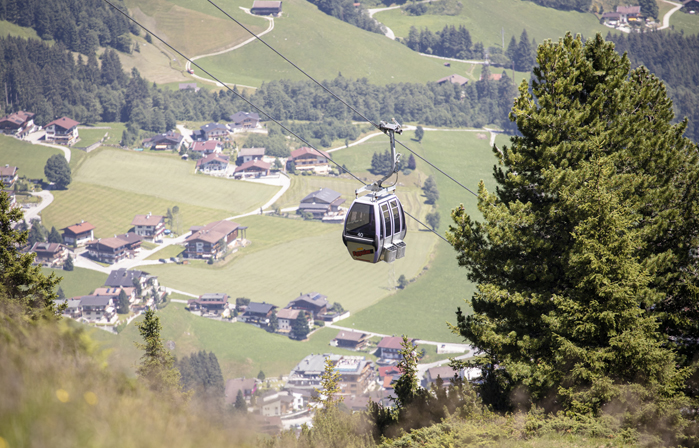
x: 64, y: 122
x: 147, y: 220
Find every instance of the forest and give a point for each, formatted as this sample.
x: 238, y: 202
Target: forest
x: 346, y: 11
x: 48, y: 81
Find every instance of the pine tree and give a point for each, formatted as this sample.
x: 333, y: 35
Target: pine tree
x: 649, y: 8
x: 299, y: 329
x: 573, y: 261
x: 328, y: 395
x: 60, y: 294
x: 429, y: 188
x: 55, y: 236
x: 524, y: 58
x: 157, y: 368
x: 411, y: 162
x: 261, y: 375
x: 419, y: 134
x: 123, y: 302
x: 511, y: 51
x: 68, y: 264
x: 240, y: 404
x: 407, y: 388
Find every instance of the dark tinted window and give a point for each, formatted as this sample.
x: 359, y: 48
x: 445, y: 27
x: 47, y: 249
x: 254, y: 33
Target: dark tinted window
x: 360, y: 220
x: 386, y: 220
x: 396, y: 217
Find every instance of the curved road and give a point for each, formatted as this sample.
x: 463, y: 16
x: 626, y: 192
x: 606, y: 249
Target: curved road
x: 666, y: 18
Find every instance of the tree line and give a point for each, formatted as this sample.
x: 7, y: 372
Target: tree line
x: 50, y: 82
x: 346, y: 11
x: 81, y: 25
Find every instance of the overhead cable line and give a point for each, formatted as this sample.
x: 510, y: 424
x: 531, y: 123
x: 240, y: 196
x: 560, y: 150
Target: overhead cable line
x: 334, y: 95
x: 253, y: 105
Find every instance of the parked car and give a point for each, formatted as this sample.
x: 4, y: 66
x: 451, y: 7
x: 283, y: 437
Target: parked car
x: 162, y: 260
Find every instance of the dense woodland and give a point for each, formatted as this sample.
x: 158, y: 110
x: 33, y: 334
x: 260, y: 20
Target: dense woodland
x: 81, y: 25
x: 674, y: 58
x: 49, y: 82
x: 346, y: 11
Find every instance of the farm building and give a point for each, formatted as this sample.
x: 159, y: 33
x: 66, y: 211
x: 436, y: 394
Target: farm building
x: 266, y: 8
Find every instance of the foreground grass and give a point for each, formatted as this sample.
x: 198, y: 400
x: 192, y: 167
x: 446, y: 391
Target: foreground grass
x: 485, y: 20
x: 241, y: 349
x: 306, y: 36
x: 79, y: 281
x: 30, y: 159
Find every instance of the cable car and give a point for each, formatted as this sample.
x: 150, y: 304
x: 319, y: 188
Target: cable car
x: 375, y: 227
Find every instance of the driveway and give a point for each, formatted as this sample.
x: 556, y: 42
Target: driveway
x: 34, y: 139
x: 33, y: 212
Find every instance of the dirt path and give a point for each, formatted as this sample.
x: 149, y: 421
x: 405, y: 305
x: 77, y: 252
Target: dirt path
x: 188, y: 66
x: 666, y: 18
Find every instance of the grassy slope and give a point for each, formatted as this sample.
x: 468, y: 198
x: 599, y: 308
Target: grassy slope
x: 78, y: 281
x: 241, y: 349
x: 426, y: 305
x: 485, y: 20
x: 171, y: 179
x: 689, y: 23
x: 7, y: 28
x: 88, y: 135
x: 30, y: 159
x: 323, y: 46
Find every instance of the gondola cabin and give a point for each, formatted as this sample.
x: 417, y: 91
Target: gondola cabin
x: 375, y: 229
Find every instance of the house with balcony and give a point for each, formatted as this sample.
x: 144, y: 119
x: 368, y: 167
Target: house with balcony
x: 390, y: 347
x: 352, y: 340
x: 252, y: 169
x: 62, y: 131
x: 170, y: 140
x: 150, y: 227
x: 213, y: 163
x: 50, y: 254
x: 207, y: 147
x: 246, y: 155
x: 244, y: 120
x: 321, y: 202
x: 212, y: 303
x: 8, y: 176
x: 211, y: 240
x: 19, y: 124
x: 100, y: 309
x: 258, y: 314
x: 309, y: 159
x: 78, y: 234
x: 313, y: 303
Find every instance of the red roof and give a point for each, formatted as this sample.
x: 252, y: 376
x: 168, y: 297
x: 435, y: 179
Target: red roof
x: 296, y: 153
x: 80, y: 228
x: 8, y: 170
x: 64, y: 122
x: 212, y: 157
x: 18, y: 118
x: 209, y: 145
x: 213, y: 232
x: 147, y: 220
x: 254, y: 164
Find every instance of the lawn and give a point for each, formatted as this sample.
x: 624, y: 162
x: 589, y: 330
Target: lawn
x: 173, y: 250
x: 306, y: 36
x: 292, y: 257
x: 241, y: 349
x: 689, y: 23
x: 79, y: 281
x: 485, y: 20
x: 423, y: 307
x: 30, y: 159
x: 172, y: 180
x: 89, y: 135
x: 112, y: 210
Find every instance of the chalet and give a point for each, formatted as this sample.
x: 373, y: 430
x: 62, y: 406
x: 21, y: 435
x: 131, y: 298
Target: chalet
x: 454, y: 79
x: 266, y: 8
x: 314, y: 303
x: 246, y: 155
x: 321, y: 202
x: 50, y: 254
x: 612, y: 17
x: 63, y: 131
x: 628, y: 13
x: 446, y: 373
x: 78, y: 234
x: 121, y: 278
x: 168, y: 141
x: 150, y: 227
x: 72, y: 308
x: 211, y: 240
x: 8, y: 175
x: 276, y: 402
x: 114, y: 293
x: 247, y: 385
x: 390, y: 347
x: 209, y: 303
x: 258, y: 313
x: 207, y: 147
x: 98, y: 308
x: 286, y: 318
x: 213, y: 163
x: 690, y: 6
x: 19, y: 124
x: 306, y: 374
x: 108, y: 250
x: 214, y: 131
x: 353, y: 340
x: 252, y: 169
x: 245, y: 120
x: 133, y: 242
x: 310, y: 159
x: 356, y: 374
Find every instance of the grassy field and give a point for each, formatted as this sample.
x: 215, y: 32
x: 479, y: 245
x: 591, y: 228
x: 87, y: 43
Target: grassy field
x: 306, y: 36
x: 30, y: 159
x: 90, y: 135
x: 79, y: 281
x: 301, y: 186
x: 689, y: 23
x: 292, y: 257
x: 485, y: 20
x: 241, y: 349
x: 423, y: 307
x: 112, y: 210
x: 170, y: 179
x: 7, y: 28
x: 170, y: 251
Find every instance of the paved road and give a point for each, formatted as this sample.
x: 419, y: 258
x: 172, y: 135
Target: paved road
x: 418, y: 341
x: 666, y: 18
x: 34, y: 139
x: 33, y: 212
x: 189, y: 65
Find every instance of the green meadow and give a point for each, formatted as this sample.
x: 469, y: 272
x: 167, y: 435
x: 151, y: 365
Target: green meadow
x: 79, y: 281
x: 323, y: 46
x: 241, y: 349
x: 10, y: 29
x: 30, y: 159
x: 687, y: 23
x: 486, y: 19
